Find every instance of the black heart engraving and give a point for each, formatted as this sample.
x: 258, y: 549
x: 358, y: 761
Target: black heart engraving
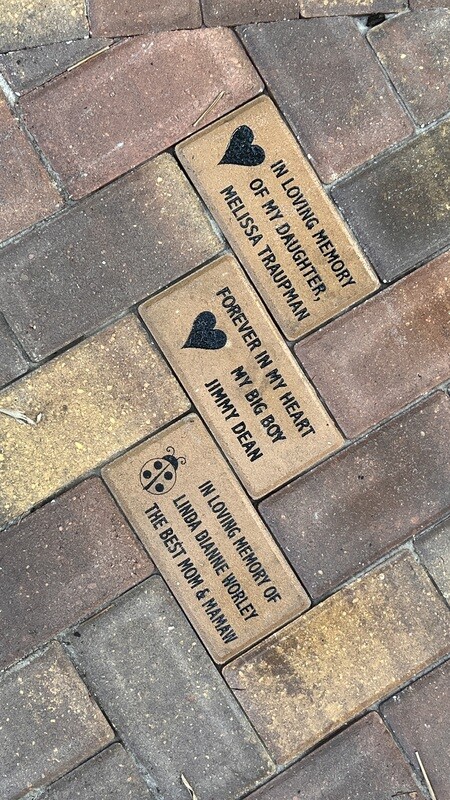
x: 204, y: 335
x: 241, y: 151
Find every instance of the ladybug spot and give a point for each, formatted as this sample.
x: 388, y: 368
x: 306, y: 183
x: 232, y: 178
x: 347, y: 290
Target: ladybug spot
x: 168, y: 476
x: 147, y: 474
x: 159, y: 487
x: 158, y: 465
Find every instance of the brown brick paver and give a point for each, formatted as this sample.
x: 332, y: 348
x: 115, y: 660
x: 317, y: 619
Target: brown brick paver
x: 343, y: 516
x: 12, y: 362
x: 402, y: 351
x: 62, y: 563
x: 419, y: 5
x: 27, y: 69
x: 362, y: 763
x: 108, y: 252
x: 240, y: 12
x: 111, y: 775
x: 415, y: 49
x: 434, y: 550
x: 115, y: 18
x: 93, y: 128
x: 420, y: 719
x: 27, y: 24
x: 168, y: 702
x: 399, y: 207
x: 323, y: 669
x: 325, y: 8
x: 26, y: 191
x: 345, y: 111
x: 49, y: 723
x: 95, y: 400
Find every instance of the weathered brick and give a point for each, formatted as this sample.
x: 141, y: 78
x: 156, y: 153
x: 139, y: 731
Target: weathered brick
x: 434, y: 550
x: 62, y: 563
x: 362, y: 763
x: 168, y: 703
x: 345, y: 112
x: 26, y: 24
x: 97, y: 399
x: 387, y: 352
x: 26, y: 69
x: 347, y: 513
x: 420, y: 719
x: 115, y: 18
x: 418, y: 5
x: 241, y: 12
x: 338, y: 659
x: 12, y: 362
x: 111, y: 775
x: 415, y: 49
x: 49, y: 724
x: 108, y: 252
x: 25, y: 187
x: 399, y: 206
x: 93, y: 128
x: 325, y: 8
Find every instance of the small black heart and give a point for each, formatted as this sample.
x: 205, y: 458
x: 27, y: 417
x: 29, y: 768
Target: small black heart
x: 204, y: 335
x: 241, y: 151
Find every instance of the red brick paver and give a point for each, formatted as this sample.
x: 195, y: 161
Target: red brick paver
x: 331, y: 89
x: 115, y: 18
x: 434, y: 550
x: 366, y: 500
x: 93, y: 128
x: 62, y: 563
x: 403, y: 343
x: 49, y: 723
x: 325, y: 8
x: 240, y: 12
x: 26, y: 192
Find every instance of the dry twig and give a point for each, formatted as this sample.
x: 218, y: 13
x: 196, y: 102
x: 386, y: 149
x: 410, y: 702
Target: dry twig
x: 20, y: 417
x: 425, y: 777
x: 207, y: 110
x: 188, y: 786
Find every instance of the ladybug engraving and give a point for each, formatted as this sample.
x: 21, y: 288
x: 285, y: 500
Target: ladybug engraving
x: 158, y: 475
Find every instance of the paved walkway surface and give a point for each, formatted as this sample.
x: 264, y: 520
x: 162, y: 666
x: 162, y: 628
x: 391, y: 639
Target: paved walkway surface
x: 224, y: 405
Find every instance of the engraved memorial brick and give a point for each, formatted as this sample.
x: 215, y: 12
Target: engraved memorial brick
x: 257, y: 402
x: 207, y: 540
x: 274, y: 211
x: 356, y: 647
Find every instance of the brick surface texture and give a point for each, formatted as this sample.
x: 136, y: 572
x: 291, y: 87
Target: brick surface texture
x: 115, y: 18
x: 362, y: 763
x: 108, y: 252
x: 434, y: 550
x: 420, y: 721
x: 26, y: 24
x: 27, y: 193
x: 49, y: 723
x: 240, y: 12
x: 62, y: 563
x: 403, y: 337
x: 92, y: 128
x: 367, y: 629
x: 368, y: 499
x: 13, y: 362
x: 177, y: 715
x: 95, y: 400
x: 345, y: 112
x: 325, y: 8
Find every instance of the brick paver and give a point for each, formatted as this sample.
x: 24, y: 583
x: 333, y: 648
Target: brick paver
x: 434, y: 550
x: 325, y: 8
x: 92, y: 128
x: 27, y: 24
x: 240, y: 12
x: 419, y: 717
x: 49, y: 723
x: 112, y: 775
x: 402, y: 336
x: 95, y: 400
x: 26, y: 191
x: 345, y: 112
x: 62, y: 563
x: 399, y: 206
x: 115, y: 18
x: 340, y: 657
x: 168, y: 702
x: 334, y: 521
x: 26, y: 69
x: 13, y: 363
x: 419, y: 5
x: 108, y: 252
x: 362, y: 763
x: 415, y: 49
